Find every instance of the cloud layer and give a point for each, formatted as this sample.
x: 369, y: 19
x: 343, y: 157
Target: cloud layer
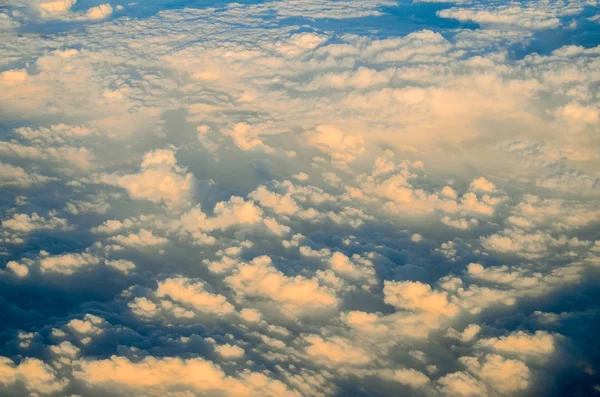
x: 299, y: 198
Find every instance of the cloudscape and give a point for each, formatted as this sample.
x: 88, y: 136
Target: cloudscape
x: 293, y: 198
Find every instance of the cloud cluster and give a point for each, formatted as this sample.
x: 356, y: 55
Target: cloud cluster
x: 299, y: 198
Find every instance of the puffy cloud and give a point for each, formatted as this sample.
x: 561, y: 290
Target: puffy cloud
x: 181, y: 298
x: 37, y: 376
x: 336, y: 351
x: 461, y: 384
x: 160, y: 180
x: 245, y: 139
x: 99, y: 12
x: 354, y: 268
x: 470, y: 332
x: 122, y: 265
x: 530, y: 245
x: 193, y: 294
x: 17, y: 176
x: 341, y: 147
x: 539, y: 345
x: 490, y: 375
x: 145, y: 238
x: 67, y: 263
x: 89, y: 325
x: 55, y: 8
x: 164, y: 376
x: 65, y: 348
x: 280, y: 204
x: 17, y: 268
x: 418, y: 297
x: 482, y: 185
x: 23, y: 223
x: 293, y: 296
x: 408, y: 377
x: 230, y: 352
x: 501, y: 375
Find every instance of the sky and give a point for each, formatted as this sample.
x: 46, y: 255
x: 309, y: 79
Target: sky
x: 295, y: 198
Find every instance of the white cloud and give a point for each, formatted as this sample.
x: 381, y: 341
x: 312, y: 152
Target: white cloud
x: 23, y: 223
x: 162, y: 376
x: 99, y: 12
x: 17, y: 268
x: 341, y: 147
x: 230, y: 352
x: 418, y: 297
x: 160, y: 180
x: 482, y: 185
x: 145, y: 238
x: 337, y: 351
x: 122, y: 265
x: 17, y: 176
x: 246, y: 139
x: 55, y: 8
x: 67, y: 263
x: 65, y: 348
x: 293, y: 296
x: 89, y: 325
x: 426, y: 150
x: 538, y: 346
x: 500, y: 374
x: 193, y: 294
x: 37, y: 376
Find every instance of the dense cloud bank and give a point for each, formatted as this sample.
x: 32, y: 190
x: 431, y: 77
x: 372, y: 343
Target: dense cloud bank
x: 299, y: 198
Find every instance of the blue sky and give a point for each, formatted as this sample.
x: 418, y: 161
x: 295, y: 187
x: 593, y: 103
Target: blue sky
x: 299, y: 198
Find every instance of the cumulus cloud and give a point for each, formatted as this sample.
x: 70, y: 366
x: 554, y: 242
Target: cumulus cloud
x: 156, y: 376
x: 23, y: 223
x: 37, y: 376
x: 294, y: 296
x: 160, y: 179
x: 17, y: 176
x: 67, y: 263
x: 192, y: 293
x: 521, y: 344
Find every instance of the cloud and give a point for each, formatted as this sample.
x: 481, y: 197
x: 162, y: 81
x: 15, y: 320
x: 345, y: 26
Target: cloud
x: 342, y: 148
x: 89, y: 325
x: 193, y: 294
x: 520, y: 344
x: 160, y: 180
x: 65, y: 349
x: 17, y: 176
x: 145, y: 238
x: 158, y: 376
x: 336, y: 350
x: 67, y: 263
x: 55, y: 8
x: 122, y: 265
x: 298, y: 198
x: 23, y: 223
x: 17, y: 268
x: 293, y: 296
x: 244, y: 138
x: 500, y: 374
x: 418, y: 297
x: 99, y: 12
x: 36, y: 375
x: 230, y: 352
